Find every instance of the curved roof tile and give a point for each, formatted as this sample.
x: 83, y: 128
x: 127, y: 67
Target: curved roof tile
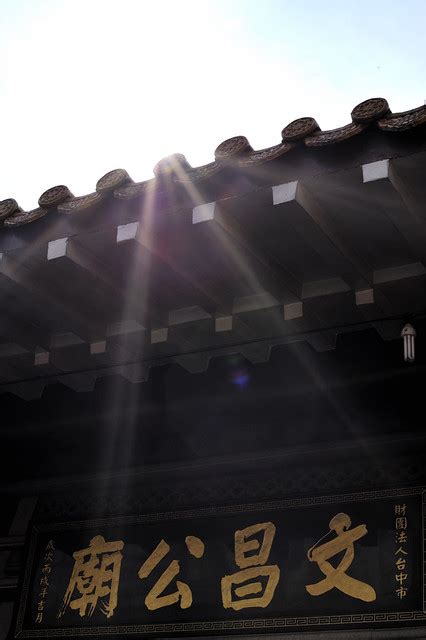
x: 204, y: 172
x: 8, y: 207
x: 112, y: 180
x: 405, y: 120
x: 134, y: 190
x: 175, y: 164
x: 82, y: 203
x: 20, y: 218
x: 265, y: 155
x: 323, y: 138
x: 54, y: 197
x: 299, y: 129
x: 232, y: 148
x: 370, y: 110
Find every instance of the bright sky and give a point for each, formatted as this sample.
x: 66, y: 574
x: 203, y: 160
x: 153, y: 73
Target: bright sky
x: 89, y: 86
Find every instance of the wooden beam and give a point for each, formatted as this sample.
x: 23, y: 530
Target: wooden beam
x: 315, y: 227
x: 384, y: 183
x: 259, y: 269
x: 16, y: 275
x: 163, y: 254
x: 17, y: 327
x: 68, y: 252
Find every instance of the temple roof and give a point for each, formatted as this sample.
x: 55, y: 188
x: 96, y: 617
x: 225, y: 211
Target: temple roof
x: 303, y: 133
x: 322, y: 234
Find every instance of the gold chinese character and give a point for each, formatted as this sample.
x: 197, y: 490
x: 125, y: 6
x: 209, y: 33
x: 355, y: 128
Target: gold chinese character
x: 40, y: 605
x: 401, y: 592
x: 400, y: 509
x: 44, y: 581
x: 400, y: 563
x: 48, y: 556
x: 401, y: 577
x: 401, y: 537
x: 183, y: 594
x: 401, y: 551
x: 400, y: 523
x: 50, y: 546
x: 95, y: 576
x: 245, y: 542
x: 336, y: 576
x: 39, y: 617
x: 46, y: 569
x: 43, y: 593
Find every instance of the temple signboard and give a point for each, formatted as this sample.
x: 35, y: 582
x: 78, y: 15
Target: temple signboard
x: 346, y: 561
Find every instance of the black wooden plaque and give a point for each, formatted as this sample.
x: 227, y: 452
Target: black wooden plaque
x: 374, y: 577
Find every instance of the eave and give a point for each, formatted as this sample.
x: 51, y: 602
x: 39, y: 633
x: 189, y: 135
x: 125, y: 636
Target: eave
x: 323, y: 233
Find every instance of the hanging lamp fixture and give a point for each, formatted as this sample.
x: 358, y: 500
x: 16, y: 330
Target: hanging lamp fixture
x: 408, y: 335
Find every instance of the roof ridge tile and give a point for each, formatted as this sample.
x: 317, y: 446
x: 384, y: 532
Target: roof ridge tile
x: 233, y: 151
